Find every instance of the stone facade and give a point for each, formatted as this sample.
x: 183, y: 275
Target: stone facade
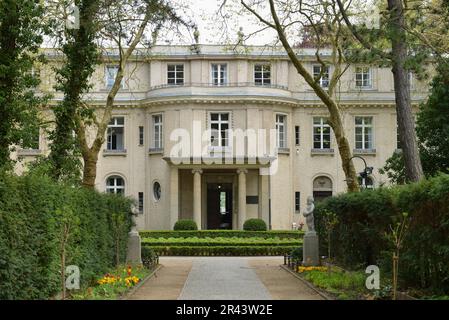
x: 173, y: 87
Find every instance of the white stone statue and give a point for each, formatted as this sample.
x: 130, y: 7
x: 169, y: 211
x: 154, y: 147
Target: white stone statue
x: 134, y: 212
x: 308, y: 214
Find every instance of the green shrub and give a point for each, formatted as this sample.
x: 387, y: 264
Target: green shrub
x: 255, y: 225
x: 219, y: 241
x: 365, y: 217
x: 185, y: 224
x: 296, y: 254
x: 29, y: 229
x: 149, y: 257
x: 222, y: 250
x: 281, y: 234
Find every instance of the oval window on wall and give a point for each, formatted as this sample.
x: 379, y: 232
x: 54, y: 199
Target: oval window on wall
x: 157, y: 191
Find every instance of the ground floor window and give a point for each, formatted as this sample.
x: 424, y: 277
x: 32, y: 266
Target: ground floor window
x: 115, y: 184
x: 322, y: 188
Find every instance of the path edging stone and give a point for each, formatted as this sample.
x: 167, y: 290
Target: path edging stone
x: 140, y: 284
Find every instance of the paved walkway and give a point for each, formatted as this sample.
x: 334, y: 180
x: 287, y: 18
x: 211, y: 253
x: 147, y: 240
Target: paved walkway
x: 227, y: 278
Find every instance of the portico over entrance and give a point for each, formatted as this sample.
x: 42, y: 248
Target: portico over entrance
x: 218, y: 197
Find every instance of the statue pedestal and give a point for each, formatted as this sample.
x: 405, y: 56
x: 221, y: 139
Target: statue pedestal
x: 134, y: 253
x: 310, y: 251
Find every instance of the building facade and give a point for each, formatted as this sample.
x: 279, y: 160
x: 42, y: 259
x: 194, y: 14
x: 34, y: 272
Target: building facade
x: 172, y: 92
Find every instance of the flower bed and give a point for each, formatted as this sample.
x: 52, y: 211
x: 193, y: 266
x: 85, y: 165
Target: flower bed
x: 113, y: 284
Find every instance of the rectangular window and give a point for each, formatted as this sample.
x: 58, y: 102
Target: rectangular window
x: 157, y: 131
x: 175, y: 74
x: 115, y: 134
x: 262, y: 74
x: 398, y: 141
x: 219, y: 126
x: 219, y: 74
x: 364, y: 133
x: 281, y: 132
x: 321, y: 77
x: 363, y: 77
x: 140, y: 202
x: 141, y: 136
x: 111, y: 73
x: 321, y: 133
x: 297, y: 201
x: 297, y: 135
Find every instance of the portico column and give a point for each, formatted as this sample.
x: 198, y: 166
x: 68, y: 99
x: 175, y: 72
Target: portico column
x: 174, y: 195
x: 197, y: 196
x: 242, y: 197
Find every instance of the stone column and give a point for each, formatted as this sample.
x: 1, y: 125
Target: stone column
x: 197, y: 196
x: 174, y: 196
x: 242, y: 197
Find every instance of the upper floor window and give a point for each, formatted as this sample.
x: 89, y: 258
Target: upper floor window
x: 321, y: 75
x: 111, y: 74
x: 175, y: 74
x: 115, y: 184
x: 297, y: 140
x: 321, y: 133
x: 219, y: 126
x: 115, y: 134
x: 219, y: 74
x: 363, y: 77
x: 364, y: 133
x: 157, y: 131
x: 262, y: 74
x: 281, y: 132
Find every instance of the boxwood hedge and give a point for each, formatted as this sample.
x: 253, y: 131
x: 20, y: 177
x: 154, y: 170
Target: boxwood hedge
x: 365, y: 218
x: 281, y: 234
x: 29, y: 249
x: 222, y: 250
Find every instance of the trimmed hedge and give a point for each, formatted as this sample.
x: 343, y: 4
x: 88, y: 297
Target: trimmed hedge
x: 255, y: 225
x: 185, y: 224
x: 222, y: 250
x: 281, y: 234
x: 365, y: 217
x: 29, y: 229
x: 192, y: 242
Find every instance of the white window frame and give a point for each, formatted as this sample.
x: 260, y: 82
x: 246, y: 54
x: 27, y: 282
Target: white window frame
x: 364, y: 126
x: 321, y: 126
x: 115, y: 124
x: 115, y: 187
x: 157, y: 127
x: 220, y: 122
x: 176, y: 71
x: 220, y: 67
x: 106, y: 76
x: 363, y: 77
x: 323, y: 81
x: 263, y: 72
x: 281, y: 143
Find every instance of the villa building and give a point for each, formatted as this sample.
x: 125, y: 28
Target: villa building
x: 220, y: 89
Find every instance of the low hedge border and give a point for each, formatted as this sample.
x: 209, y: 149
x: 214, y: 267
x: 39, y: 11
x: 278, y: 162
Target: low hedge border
x: 222, y: 250
x: 281, y: 234
x: 218, y: 244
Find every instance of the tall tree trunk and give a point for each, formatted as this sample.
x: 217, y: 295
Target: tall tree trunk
x: 406, y: 123
x: 90, y: 169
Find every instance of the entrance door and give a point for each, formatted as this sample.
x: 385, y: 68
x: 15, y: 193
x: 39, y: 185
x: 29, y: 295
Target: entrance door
x: 219, y: 206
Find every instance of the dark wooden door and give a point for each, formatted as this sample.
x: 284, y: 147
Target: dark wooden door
x: 219, y: 206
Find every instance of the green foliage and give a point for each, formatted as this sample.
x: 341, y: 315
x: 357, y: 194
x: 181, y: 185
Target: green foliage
x: 185, y: 224
x: 365, y: 218
x: 297, y: 254
x: 282, y: 234
x: 255, y: 225
x: 432, y: 125
x: 21, y: 31
x: 32, y: 211
x: 394, y: 168
x: 149, y: 257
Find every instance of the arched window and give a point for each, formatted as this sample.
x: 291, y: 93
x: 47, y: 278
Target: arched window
x: 322, y: 188
x: 366, y: 183
x: 115, y: 184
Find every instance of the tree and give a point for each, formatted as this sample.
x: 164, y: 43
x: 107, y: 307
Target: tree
x: 432, y: 126
x: 21, y: 32
x: 322, y: 19
x: 400, y: 59
x: 81, y: 56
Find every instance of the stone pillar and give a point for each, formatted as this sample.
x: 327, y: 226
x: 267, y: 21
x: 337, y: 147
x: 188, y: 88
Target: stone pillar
x: 134, y: 253
x: 174, y: 196
x: 242, y: 197
x: 310, y: 249
x: 197, y: 196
